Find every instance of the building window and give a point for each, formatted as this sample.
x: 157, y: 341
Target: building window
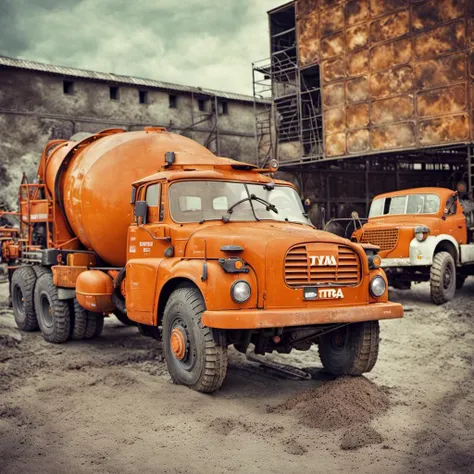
x: 202, y: 105
x: 224, y: 108
x: 143, y: 97
x: 172, y: 101
x: 114, y: 93
x: 68, y: 87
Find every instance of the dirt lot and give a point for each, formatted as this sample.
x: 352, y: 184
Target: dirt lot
x: 109, y: 405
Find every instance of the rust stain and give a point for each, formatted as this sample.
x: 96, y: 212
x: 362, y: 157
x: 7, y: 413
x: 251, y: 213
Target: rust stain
x: 334, y: 120
x: 394, y: 81
x: 333, y: 69
x: 445, y: 39
x: 471, y: 29
x: 332, y: 45
x: 332, y: 20
x: 447, y: 100
x: 400, y: 135
x: 308, y: 32
x: 441, y: 71
x: 358, y: 141
x: 327, y: 3
x: 444, y: 130
x: 471, y: 63
x: 358, y: 63
x: 357, y: 116
x: 395, y: 109
x: 356, y: 11
x: 390, y: 27
x: 335, y: 144
x: 333, y: 95
x: 357, y: 37
x: 380, y: 7
x: 430, y: 14
x: 391, y: 54
x: 357, y: 90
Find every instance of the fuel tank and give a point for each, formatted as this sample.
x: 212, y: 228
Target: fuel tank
x: 91, y: 182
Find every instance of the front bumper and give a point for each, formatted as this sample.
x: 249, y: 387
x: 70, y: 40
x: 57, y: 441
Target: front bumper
x: 278, y: 318
x: 395, y: 262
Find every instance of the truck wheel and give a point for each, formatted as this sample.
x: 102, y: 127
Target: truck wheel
x: 54, y: 315
x: 351, y: 350
x: 442, y: 278
x: 23, y: 298
x: 95, y: 324
x: 192, y: 356
x: 123, y: 318
x: 80, y: 320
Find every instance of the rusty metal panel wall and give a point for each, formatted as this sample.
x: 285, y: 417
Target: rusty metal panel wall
x: 395, y: 74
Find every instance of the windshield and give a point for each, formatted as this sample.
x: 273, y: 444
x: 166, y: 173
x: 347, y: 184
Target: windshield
x: 411, y: 204
x: 196, y: 201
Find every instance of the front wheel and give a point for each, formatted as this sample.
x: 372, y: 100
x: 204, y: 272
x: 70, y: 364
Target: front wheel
x: 350, y: 350
x: 22, y: 294
x: 192, y: 356
x: 442, y: 278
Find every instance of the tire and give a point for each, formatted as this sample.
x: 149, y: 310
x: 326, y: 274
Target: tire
x: 79, y: 325
x: 54, y: 315
x: 351, y: 350
x: 460, y: 279
x: 203, y: 363
x: 23, y: 298
x: 443, y: 278
x: 124, y: 319
x: 95, y: 324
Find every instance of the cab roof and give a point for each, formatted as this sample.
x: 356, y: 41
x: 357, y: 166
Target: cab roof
x: 441, y: 192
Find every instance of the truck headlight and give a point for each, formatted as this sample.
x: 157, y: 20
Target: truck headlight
x: 421, y: 232
x: 377, y: 286
x: 240, y: 291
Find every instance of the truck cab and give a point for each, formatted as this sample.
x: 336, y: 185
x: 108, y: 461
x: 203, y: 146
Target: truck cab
x: 221, y: 254
x: 423, y: 236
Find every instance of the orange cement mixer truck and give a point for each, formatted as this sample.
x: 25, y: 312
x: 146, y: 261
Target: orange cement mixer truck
x: 199, y: 251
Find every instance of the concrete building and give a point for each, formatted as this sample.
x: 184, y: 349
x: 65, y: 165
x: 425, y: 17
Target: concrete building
x: 40, y: 102
x: 369, y: 96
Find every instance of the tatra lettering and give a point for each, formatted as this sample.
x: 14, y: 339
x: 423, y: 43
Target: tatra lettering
x: 323, y: 260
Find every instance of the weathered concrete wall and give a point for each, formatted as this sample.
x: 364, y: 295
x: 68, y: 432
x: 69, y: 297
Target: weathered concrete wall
x: 396, y: 74
x: 35, y: 109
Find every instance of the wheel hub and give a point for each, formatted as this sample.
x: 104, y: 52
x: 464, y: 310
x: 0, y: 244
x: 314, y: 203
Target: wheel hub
x: 178, y: 343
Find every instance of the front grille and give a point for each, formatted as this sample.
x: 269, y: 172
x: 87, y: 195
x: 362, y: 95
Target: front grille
x: 300, y: 272
x: 386, y: 239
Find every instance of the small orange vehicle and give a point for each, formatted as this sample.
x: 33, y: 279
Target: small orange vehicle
x: 204, y: 252
x: 423, y: 235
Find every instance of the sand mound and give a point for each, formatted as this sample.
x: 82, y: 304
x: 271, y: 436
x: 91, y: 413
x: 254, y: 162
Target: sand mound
x: 339, y: 403
x: 360, y: 436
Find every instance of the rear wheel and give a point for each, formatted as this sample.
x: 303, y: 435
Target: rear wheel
x: 350, y: 350
x: 54, y: 315
x: 192, y: 356
x: 443, y: 278
x: 23, y: 300
x: 95, y: 325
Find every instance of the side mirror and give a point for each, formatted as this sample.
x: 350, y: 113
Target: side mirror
x: 141, y: 210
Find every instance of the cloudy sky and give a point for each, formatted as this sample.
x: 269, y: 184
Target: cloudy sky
x: 207, y: 43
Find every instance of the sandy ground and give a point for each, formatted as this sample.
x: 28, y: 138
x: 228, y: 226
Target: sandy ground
x: 109, y: 405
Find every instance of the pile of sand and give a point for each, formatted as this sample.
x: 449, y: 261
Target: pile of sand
x: 339, y: 403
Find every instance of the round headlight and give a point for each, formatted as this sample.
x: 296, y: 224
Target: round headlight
x: 377, y: 286
x: 240, y: 291
x: 420, y: 236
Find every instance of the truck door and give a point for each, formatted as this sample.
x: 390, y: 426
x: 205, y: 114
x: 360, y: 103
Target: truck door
x: 147, y: 244
x: 455, y: 220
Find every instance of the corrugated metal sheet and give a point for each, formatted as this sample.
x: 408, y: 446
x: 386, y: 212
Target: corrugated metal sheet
x: 395, y: 74
x: 118, y: 79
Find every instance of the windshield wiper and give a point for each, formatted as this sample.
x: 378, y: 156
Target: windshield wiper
x: 268, y: 206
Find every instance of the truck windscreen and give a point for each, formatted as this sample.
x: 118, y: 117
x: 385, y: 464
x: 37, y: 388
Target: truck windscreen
x: 410, y: 204
x: 196, y: 201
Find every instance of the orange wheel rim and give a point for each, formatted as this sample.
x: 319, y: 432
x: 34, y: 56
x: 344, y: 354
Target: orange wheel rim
x: 178, y: 345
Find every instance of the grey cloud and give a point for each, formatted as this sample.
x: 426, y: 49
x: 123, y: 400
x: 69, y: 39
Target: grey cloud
x: 198, y: 42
